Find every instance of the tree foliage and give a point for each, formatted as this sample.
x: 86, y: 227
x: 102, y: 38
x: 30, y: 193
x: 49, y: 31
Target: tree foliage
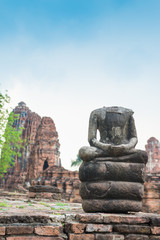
x: 77, y: 162
x: 10, y: 138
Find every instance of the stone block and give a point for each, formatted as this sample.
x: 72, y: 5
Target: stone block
x: 56, y: 196
x: 2, y: 230
x: 32, y: 194
x: 111, y: 171
x: 90, y: 218
x: 136, y: 237
x: 33, y: 238
x: 44, y: 188
x: 98, y: 228
x: 122, y: 228
x: 70, y: 217
x: 57, y: 218
x: 155, y: 230
x: 125, y: 218
x: 74, y: 227
x: 155, y: 220
x: 81, y: 236
x: 111, y: 190
x: 99, y: 205
x: 48, y: 230
x: 17, y: 230
x: 154, y: 238
x: 109, y: 237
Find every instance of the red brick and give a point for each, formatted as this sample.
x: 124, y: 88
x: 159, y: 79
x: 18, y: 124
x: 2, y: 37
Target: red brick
x: 19, y: 230
x: 81, y: 237
x: 33, y: 238
x: 48, y: 230
x: 132, y: 229
x: 90, y: 218
x: 117, y: 218
x: 2, y: 231
x: 136, y: 237
x: 155, y: 230
x: 109, y: 237
x: 32, y: 194
x: 98, y: 228
x: 74, y: 227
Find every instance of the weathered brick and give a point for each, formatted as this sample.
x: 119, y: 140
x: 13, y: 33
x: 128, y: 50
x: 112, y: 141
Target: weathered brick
x: 136, y: 237
x: 17, y: 230
x: 2, y: 231
x: 33, y: 238
x: 90, y: 218
x: 132, y: 229
x: 57, y: 218
x: 98, y: 228
x: 109, y: 237
x: 117, y: 218
x: 74, y: 227
x: 154, y: 238
x: 155, y: 230
x: 155, y: 221
x: 48, y: 230
x: 70, y: 217
x: 32, y: 194
x: 81, y: 236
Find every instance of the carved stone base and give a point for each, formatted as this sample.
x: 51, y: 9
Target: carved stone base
x: 113, y: 184
x: 111, y: 206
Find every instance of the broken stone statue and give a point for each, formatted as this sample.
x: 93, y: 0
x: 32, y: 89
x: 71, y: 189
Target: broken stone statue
x: 112, y: 172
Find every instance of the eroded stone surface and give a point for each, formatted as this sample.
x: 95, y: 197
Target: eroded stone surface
x: 112, y: 172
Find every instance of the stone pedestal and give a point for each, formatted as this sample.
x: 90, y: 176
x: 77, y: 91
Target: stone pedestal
x: 46, y: 192
x: 113, y: 184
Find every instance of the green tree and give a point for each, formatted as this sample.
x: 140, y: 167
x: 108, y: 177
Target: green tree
x: 77, y: 162
x: 10, y: 138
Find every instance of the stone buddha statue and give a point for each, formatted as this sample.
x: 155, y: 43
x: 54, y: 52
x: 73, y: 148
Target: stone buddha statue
x: 112, y: 172
x: 117, y: 133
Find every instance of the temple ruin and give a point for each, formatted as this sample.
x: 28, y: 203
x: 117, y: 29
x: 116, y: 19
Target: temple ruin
x: 151, y: 200
x: 40, y: 161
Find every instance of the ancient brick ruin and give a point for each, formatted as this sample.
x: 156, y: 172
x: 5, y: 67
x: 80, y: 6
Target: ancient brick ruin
x: 40, y: 161
x: 153, y: 150
x: 80, y: 226
x: 151, y: 200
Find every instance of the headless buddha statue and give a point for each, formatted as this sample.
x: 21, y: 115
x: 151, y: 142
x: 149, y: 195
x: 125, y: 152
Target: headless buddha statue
x: 118, y: 135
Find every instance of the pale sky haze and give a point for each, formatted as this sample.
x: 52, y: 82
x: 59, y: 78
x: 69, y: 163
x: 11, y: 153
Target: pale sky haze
x: 67, y: 58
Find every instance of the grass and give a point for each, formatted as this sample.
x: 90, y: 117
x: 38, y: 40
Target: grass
x: 2, y: 204
x: 44, y: 204
x: 30, y: 204
x: 61, y: 204
x: 20, y: 206
x: 3, y: 209
x: 53, y: 208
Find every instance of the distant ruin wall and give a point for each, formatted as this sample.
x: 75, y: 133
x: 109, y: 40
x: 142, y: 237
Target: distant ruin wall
x: 151, y: 199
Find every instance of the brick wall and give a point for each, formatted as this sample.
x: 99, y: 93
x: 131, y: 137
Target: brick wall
x: 80, y: 227
x: 151, y: 198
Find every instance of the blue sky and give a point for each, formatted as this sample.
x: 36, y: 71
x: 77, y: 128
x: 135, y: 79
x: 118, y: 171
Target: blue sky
x: 65, y: 58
